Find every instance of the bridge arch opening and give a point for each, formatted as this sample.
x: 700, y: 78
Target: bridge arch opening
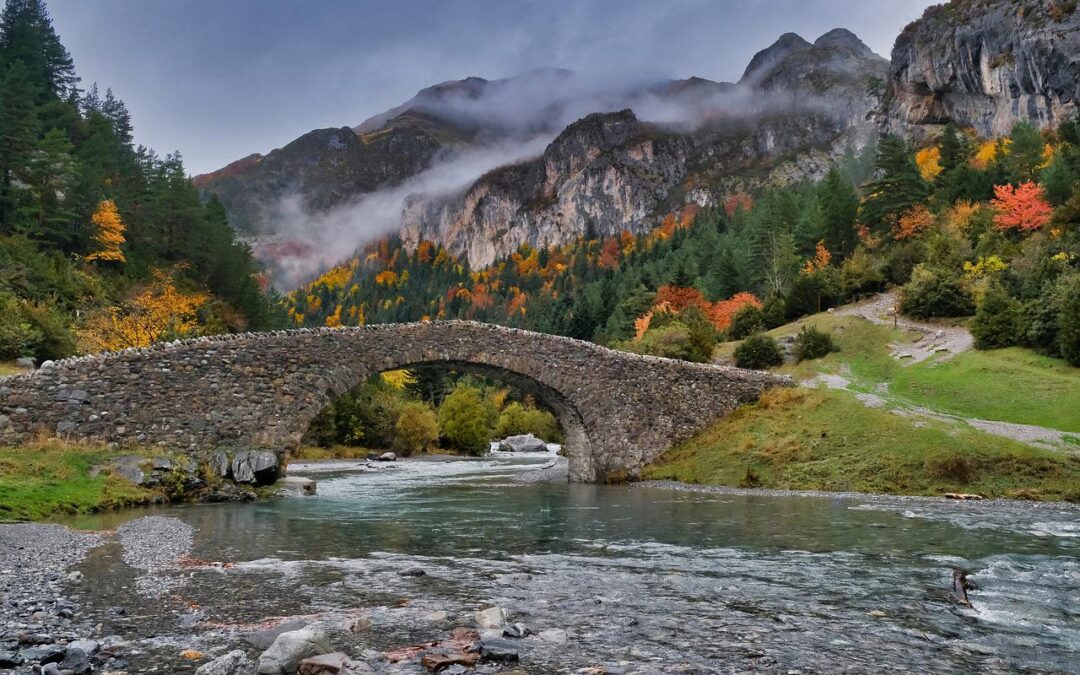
x: 576, y: 444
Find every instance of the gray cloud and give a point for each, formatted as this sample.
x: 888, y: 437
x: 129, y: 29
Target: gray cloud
x: 219, y: 80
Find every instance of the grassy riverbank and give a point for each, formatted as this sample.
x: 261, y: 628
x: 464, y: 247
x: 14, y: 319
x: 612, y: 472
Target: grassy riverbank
x: 890, y: 426
x: 828, y: 440
x: 44, y: 481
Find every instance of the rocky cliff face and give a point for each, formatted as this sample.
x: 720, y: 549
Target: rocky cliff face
x: 613, y: 172
x: 986, y: 64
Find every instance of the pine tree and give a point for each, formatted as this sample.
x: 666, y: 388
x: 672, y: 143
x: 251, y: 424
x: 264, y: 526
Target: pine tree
x: 955, y: 151
x: 27, y: 35
x: 898, y: 187
x: 840, y: 209
x: 18, y: 139
x: 51, y: 174
x: 1025, y: 154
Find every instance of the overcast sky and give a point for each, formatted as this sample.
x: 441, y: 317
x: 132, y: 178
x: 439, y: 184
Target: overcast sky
x: 220, y: 79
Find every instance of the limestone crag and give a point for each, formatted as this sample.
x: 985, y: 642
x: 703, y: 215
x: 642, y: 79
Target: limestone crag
x: 243, y: 401
x: 986, y: 65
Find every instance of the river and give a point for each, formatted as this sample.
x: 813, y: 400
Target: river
x: 640, y: 579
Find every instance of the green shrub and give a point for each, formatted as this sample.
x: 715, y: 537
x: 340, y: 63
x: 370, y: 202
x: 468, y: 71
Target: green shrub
x: 416, y: 428
x: 747, y: 321
x: 18, y: 337
x: 465, y: 420
x: 1069, y: 319
x: 861, y: 275
x: 774, y: 312
x: 812, y: 343
x: 997, y: 319
x: 932, y: 293
x: 671, y: 341
x: 517, y: 419
x: 758, y: 352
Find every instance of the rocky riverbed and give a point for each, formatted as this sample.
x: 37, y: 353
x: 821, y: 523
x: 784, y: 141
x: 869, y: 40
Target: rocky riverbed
x: 464, y: 567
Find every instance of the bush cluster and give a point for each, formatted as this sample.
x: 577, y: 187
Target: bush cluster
x: 812, y: 343
x: 758, y: 352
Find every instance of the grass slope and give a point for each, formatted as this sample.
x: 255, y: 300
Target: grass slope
x: 41, y: 482
x: 1008, y: 385
x: 827, y: 440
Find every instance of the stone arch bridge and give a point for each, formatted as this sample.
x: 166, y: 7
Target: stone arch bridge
x: 252, y: 391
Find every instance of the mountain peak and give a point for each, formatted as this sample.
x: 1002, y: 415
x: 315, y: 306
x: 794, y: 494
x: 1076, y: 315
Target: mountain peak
x: 842, y: 38
x: 788, y: 43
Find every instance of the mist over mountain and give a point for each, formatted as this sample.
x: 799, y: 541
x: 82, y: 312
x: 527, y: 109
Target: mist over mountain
x: 483, y: 166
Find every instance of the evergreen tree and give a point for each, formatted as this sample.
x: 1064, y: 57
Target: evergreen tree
x: 18, y: 140
x: 27, y: 36
x: 1025, y: 153
x: 840, y: 209
x: 898, y: 187
x: 51, y: 173
x: 955, y: 151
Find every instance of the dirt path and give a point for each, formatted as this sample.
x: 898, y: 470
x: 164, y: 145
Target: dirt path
x: 944, y: 340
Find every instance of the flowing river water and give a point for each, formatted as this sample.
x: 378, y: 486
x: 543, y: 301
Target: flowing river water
x: 640, y: 579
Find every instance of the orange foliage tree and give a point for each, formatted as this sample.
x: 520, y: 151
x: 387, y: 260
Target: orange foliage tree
x: 724, y: 311
x: 913, y: 222
x: 1022, y: 208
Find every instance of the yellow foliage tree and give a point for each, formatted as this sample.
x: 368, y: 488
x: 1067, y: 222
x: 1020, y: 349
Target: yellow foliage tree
x: 158, y: 312
x: 929, y: 161
x: 110, y: 233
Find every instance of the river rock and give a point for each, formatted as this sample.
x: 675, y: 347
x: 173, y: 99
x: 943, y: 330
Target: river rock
x: 76, y: 662
x: 438, y: 662
x: 90, y: 647
x: 325, y: 664
x: 493, y: 617
x: 235, y: 662
x: 262, y: 639
x: 516, y: 630
x: 557, y: 635
x: 9, y: 659
x: 255, y: 466
x: 129, y: 468
x: 387, y: 457
x: 522, y: 443
x: 289, y: 649
x: 25, y: 362
x: 44, y: 654
x: 497, y: 651
x: 295, y: 485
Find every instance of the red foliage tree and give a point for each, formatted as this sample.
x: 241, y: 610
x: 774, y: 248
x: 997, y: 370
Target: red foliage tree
x: 1022, y: 208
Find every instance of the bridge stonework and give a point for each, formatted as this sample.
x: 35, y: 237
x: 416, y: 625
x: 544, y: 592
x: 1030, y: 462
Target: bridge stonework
x: 618, y: 411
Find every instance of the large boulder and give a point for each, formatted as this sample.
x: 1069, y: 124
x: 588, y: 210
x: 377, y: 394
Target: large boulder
x: 289, y: 649
x: 255, y: 466
x: 522, y: 443
x: 235, y: 662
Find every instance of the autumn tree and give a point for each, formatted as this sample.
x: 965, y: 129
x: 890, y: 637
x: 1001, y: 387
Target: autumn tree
x: 109, y: 236
x: 158, y: 312
x: 1023, y: 208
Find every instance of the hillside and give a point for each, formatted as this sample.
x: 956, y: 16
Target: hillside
x: 103, y: 244
x: 615, y: 159
x: 884, y: 414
